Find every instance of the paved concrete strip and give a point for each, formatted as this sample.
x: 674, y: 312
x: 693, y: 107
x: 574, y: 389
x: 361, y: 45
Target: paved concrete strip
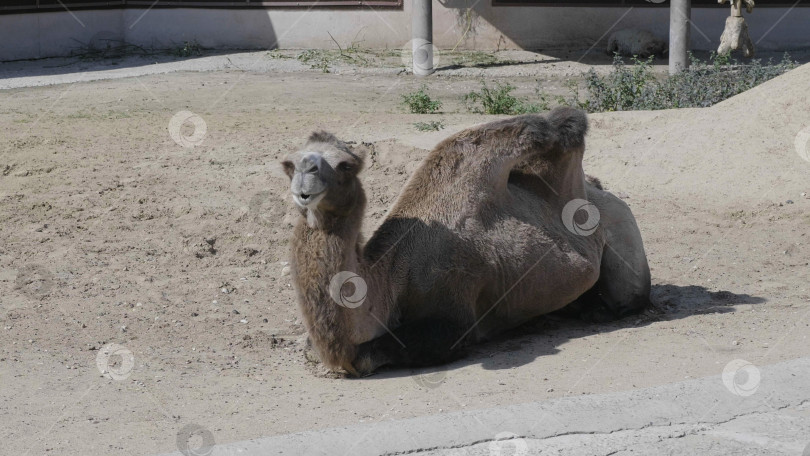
x: 748, y: 411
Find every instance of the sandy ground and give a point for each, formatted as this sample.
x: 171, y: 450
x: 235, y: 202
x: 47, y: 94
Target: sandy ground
x: 113, y: 233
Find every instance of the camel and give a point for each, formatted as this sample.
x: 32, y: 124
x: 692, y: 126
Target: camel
x: 487, y: 234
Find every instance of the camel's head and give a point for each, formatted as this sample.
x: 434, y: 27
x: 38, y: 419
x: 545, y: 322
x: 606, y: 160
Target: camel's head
x: 323, y: 175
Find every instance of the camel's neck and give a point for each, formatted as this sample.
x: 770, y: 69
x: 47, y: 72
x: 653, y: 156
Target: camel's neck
x: 566, y: 177
x: 318, y: 254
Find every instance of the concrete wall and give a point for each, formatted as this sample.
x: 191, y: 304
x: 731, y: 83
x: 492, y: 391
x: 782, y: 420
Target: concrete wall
x: 24, y: 36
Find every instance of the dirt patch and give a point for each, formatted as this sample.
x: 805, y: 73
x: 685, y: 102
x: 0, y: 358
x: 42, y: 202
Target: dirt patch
x: 116, y: 234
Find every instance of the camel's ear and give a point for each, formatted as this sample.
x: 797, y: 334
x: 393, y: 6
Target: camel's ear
x: 288, y: 167
x: 360, y: 152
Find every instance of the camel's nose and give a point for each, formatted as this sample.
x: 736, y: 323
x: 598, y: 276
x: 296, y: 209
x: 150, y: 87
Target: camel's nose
x: 310, y: 163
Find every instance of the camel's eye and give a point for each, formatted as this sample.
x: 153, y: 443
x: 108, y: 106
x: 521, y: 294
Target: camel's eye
x: 345, y: 167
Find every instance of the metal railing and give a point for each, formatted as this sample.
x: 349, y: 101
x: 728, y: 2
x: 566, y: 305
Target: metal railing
x: 27, y: 6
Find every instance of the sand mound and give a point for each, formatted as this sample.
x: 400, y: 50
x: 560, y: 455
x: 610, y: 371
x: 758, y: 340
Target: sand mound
x: 735, y: 153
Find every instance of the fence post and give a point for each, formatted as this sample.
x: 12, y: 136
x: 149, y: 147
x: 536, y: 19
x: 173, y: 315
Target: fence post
x: 422, y: 35
x: 679, y: 28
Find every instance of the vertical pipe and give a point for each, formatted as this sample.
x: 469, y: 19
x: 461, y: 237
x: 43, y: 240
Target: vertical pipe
x: 422, y: 34
x: 679, y: 28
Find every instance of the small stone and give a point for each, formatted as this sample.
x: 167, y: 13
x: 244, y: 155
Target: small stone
x: 736, y: 342
x: 235, y: 312
x: 550, y: 390
x: 789, y: 201
x: 243, y: 320
x: 224, y: 290
x: 285, y: 271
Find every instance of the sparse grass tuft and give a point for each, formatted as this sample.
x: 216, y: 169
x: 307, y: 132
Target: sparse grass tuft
x: 499, y: 100
x: 433, y: 125
x: 419, y: 102
x: 189, y: 48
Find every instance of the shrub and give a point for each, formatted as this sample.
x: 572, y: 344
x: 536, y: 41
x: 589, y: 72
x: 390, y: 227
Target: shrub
x: 419, y: 102
x: 702, y: 84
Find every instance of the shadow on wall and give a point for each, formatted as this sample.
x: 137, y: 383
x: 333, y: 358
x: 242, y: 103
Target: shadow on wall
x: 550, y: 29
x: 134, y: 34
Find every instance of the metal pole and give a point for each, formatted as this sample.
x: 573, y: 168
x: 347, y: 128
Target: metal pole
x: 679, y: 28
x: 422, y: 33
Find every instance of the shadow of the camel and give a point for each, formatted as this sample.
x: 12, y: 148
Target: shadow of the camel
x: 541, y: 336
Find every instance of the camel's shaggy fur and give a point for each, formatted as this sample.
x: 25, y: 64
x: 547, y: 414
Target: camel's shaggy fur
x: 475, y: 244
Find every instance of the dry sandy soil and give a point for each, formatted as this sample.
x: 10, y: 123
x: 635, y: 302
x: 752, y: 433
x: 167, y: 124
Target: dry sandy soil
x: 113, y: 233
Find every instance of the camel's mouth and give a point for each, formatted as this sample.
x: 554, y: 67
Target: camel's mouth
x: 308, y: 200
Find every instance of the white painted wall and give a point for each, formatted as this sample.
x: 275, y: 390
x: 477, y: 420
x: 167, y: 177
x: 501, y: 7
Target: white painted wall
x: 38, y: 35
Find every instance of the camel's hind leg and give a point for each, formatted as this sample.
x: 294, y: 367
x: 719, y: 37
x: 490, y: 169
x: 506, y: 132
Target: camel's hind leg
x: 624, y: 276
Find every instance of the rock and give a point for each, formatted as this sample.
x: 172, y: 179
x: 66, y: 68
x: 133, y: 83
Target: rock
x: 736, y: 342
x: 285, y: 271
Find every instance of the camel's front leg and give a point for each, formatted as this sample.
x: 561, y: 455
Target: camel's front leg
x: 418, y: 343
